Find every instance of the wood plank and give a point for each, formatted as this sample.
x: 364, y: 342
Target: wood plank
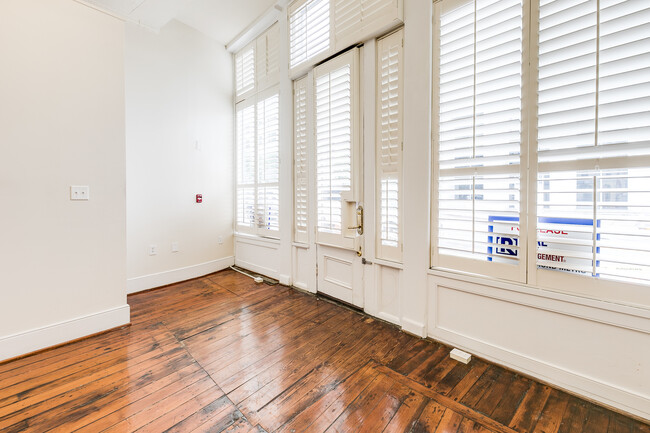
x: 574, y: 417
x: 552, y: 414
x: 446, y: 401
x: 430, y: 418
x: 530, y: 409
x: 408, y: 413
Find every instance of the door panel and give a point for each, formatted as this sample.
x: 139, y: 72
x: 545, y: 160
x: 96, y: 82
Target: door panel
x: 340, y: 274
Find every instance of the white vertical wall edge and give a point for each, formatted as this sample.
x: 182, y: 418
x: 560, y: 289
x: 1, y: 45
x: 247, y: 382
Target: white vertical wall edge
x: 566, y: 349
x: 62, y: 332
x: 151, y: 281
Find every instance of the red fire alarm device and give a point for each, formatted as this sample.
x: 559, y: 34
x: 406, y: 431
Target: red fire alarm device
x: 199, y: 198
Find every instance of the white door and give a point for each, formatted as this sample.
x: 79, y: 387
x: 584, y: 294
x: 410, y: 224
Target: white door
x: 339, y: 214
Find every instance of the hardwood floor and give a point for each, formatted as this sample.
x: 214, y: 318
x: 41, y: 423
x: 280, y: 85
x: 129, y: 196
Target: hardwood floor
x: 221, y: 353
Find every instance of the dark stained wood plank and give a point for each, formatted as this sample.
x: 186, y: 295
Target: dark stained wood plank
x: 597, y: 420
x: 354, y: 415
x: 446, y: 401
x: 324, y: 409
x: 430, y: 417
x: 407, y: 414
x: 574, y: 417
x: 461, y: 388
x: 528, y: 412
x: 379, y: 418
x: 450, y: 422
x: 552, y: 414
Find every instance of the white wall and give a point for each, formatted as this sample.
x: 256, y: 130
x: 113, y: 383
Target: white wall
x: 62, y: 263
x: 179, y: 144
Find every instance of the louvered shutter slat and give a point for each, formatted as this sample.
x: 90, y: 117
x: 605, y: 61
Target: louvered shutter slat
x: 479, y: 116
x: 301, y: 170
x: 268, y: 174
x: 245, y: 71
x: 594, y: 104
x: 309, y: 30
x: 333, y: 145
x: 389, y: 146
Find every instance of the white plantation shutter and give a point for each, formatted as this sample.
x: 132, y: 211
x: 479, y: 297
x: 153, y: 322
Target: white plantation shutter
x: 245, y: 71
x: 246, y: 167
x: 258, y: 161
x: 336, y: 119
x: 478, y: 136
x: 268, y: 163
x: 356, y: 20
x: 267, y: 57
x: 309, y: 30
x: 593, y: 137
x: 301, y: 162
x: 389, y: 145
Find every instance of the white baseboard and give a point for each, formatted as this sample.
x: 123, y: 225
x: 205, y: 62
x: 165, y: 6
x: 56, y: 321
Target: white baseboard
x: 413, y: 327
x: 285, y: 280
x: 272, y: 273
x: 389, y: 318
x: 151, y: 281
x: 25, y: 342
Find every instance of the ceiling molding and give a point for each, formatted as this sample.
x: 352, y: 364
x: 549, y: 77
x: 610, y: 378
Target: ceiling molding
x: 263, y: 22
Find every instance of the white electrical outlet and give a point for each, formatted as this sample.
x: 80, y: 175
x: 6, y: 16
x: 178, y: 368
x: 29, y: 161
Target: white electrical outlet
x: 220, y: 240
x: 175, y: 247
x: 153, y: 249
x: 79, y: 192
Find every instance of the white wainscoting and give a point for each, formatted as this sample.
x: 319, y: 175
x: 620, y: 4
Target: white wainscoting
x: 596, y: 349
x: 62, y: 332
x: 304, y: 267
x: 258, y: 254
x: 387, y: 281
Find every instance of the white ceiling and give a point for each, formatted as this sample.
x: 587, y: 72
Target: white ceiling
x: 222, y: 20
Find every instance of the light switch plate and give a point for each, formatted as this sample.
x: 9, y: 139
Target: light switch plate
x: 79, y: 192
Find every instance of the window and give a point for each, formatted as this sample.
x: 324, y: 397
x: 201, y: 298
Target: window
x: 585, y: 196
x: 593, y: 115
x: 336, y: 120
x: 257, y: 136
x: 258, y: 166
x: 389, y: 145
x: 309, y: 30
x: 478, y: 130
x: 320, y: 28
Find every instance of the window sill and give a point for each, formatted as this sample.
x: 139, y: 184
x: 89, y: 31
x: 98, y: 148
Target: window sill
x: 256, y: 239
